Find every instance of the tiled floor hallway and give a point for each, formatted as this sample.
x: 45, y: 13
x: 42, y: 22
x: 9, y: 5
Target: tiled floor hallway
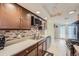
x: 58, y: 47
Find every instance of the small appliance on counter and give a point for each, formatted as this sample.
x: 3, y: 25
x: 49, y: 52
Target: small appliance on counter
x: 2, y: 41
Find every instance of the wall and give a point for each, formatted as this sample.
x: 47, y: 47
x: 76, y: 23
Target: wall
x: 50, y: 29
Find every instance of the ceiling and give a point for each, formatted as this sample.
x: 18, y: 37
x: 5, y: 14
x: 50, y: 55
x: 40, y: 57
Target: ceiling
x: 57, y: 12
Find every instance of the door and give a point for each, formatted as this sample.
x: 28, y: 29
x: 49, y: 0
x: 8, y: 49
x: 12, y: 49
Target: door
x: 33, y: 52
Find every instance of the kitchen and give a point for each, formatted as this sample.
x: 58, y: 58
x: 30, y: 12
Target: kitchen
x: 25, y: 33
x: 21, y: 27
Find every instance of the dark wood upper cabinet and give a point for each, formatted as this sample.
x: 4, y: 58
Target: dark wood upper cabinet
x: 13, y: 16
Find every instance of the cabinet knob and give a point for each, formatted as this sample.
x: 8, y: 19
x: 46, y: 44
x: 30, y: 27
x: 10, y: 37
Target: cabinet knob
x: 27, y: 51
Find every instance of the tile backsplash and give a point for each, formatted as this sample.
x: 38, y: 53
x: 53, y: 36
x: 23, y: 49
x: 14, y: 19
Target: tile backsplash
x: 11, y: 35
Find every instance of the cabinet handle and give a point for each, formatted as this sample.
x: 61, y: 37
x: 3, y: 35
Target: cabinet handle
x: 27, y: 51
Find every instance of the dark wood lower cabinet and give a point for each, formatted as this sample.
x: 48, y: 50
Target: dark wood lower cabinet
x: 36, y: 50
x: 22, y: 53
x: 32, y: 53
x: 40, y: 48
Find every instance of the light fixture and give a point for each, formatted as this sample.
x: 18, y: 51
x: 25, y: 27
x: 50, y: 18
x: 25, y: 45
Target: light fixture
x: 72, y: 12
x: 37, y: 12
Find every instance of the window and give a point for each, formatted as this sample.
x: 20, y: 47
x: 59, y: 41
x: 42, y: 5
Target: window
x: 66, y: 32
x: 62, y: 31
x: 71, y: 32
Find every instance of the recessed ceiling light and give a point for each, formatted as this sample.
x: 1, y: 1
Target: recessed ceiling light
x: 37, y: 12
x: 72, y: 12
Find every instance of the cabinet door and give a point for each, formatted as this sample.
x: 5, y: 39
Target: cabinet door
x: 9, y: 16
x: 40, y: 50
x: 42, y: 47
x: 14, y: 18
x: 33, y: 52
x: 26, y: 22
x: 22, y: 53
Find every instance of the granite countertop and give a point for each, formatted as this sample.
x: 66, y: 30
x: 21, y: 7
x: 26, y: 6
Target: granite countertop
x: 17, y: 47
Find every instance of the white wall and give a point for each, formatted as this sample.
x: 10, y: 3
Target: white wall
x: 50, y: 29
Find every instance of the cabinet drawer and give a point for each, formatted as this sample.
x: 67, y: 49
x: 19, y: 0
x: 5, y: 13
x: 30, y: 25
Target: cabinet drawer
x: 22, y: 53
x: 26, y: 51
x: 30, y: 49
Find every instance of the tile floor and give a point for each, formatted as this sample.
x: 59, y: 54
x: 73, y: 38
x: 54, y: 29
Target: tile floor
x: 58, y: 47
